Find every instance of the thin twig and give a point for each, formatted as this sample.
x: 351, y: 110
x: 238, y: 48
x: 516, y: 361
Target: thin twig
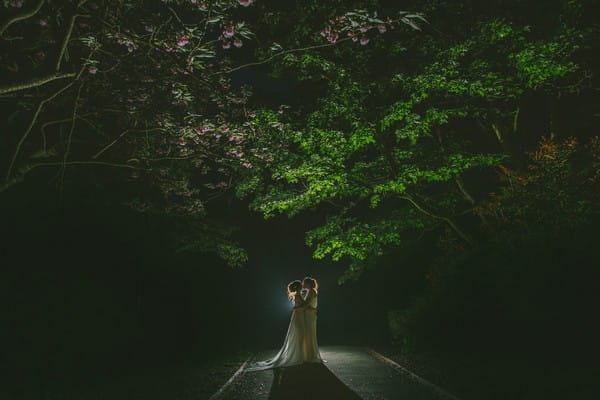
x: 448, y: 220
x: 21, y: 17
x: 280, y: 54
x: 70, y: 137
x: 37, y: 113
x: 66, y: 40
x: 31, y: 124
x: 108, y: 146
x: 43, y: 129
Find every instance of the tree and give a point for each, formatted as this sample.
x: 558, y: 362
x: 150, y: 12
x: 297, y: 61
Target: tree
x: 398, y: 129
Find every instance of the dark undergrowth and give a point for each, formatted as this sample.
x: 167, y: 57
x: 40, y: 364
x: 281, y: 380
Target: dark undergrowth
x: 476, y: 377
x: 195, y: 379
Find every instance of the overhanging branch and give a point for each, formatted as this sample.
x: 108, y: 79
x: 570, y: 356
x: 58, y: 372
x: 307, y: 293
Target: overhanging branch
x: 448, y: 220
x: 21, y: 17
x: 35, y: 82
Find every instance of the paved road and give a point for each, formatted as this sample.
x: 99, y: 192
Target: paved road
x: 349, y: 374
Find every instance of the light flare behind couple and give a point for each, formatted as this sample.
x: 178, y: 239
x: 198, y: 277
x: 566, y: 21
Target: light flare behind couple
x: 300, y: 344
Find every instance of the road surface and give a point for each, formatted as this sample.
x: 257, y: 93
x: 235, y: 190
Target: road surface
x: 350, y: 373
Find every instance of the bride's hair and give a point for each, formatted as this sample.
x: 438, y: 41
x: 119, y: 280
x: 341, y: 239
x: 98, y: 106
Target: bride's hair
x: 292, y: 288
x: 311, y: 283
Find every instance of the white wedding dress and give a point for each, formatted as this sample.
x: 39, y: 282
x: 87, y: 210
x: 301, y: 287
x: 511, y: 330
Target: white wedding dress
x: 300, y: 344
x: 291, y: 352
x: 311, y: 347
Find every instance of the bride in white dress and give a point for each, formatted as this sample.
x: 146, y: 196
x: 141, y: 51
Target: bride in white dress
x: 311, y: 347
x: 300, y: 344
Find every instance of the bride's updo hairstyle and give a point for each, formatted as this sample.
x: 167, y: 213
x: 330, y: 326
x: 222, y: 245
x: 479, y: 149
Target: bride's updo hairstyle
x: 311, y: 283
x: 292, y: 288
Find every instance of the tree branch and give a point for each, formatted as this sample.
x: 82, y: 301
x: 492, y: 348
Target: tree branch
x: 70, y: 137
x: 448, y: 220
x: 63, y: 47
x: 22, y: 16
x: 280, y: 54
x: 35, y: 82
x: 31, y: 124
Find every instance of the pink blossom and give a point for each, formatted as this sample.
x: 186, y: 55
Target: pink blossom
x: 381, y: 28
x: 364, y: 40
x: 245, y: 3
x: 237, y: 43
x: 182, y: 41
x: 228, y: 32
x: 247, y: 165
x: 226, y: 45
x: 363, y: 29
x: 202, y: 130
x: 354, y: 38
x: 92, y: 70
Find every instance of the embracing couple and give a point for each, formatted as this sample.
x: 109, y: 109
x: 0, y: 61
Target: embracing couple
x: 300, y: 345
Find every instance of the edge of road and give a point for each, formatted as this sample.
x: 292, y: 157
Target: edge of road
x: 237, y: 373
x: 391, y: 363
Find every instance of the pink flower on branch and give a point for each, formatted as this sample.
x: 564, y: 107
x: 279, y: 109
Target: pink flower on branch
x: 228, y: 32
x: 237, y: 43
x: 92, y: 70
x: 364, y: 40
x: 245, y: 3
x: 182, y: 41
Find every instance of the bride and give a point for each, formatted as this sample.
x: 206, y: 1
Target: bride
x: 310, y: 347
x: 300, y: 344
